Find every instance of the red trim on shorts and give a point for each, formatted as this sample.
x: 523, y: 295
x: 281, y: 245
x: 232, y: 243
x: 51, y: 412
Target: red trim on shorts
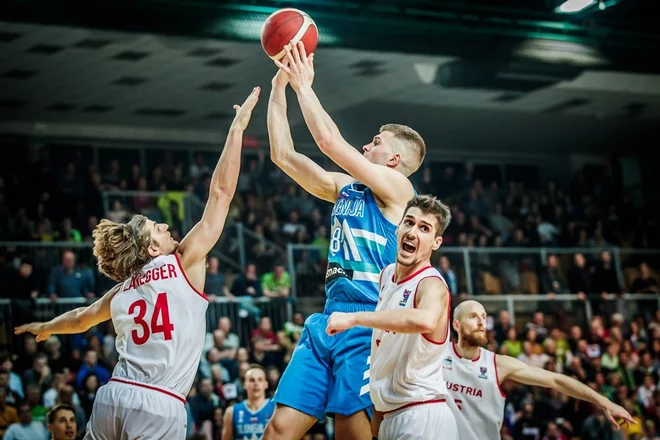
x: 453, y: 347
x: 448, y: 310
x: 202, y: 294
x: 408, y: 405
x: 149, y: 387
x: 497, y: 376
x: 408, y: 278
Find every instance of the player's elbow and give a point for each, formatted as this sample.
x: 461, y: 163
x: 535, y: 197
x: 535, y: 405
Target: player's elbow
x: 424, y: 322
x: 223, y: 194
x: 326, y: 141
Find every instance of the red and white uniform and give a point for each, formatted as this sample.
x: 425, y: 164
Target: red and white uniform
x: 406, y: 380
x: 160, y: 321
x: 477, y: 400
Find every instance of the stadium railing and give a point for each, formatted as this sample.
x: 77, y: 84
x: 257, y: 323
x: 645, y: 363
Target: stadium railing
x: 243, y: 312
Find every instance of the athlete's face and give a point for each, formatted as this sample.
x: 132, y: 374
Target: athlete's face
x: 64, y: 427
x: 416, y: 237
x: 164, y: 243
x: 381, y: 150
x: 256, y: 383
x: 472, y: 326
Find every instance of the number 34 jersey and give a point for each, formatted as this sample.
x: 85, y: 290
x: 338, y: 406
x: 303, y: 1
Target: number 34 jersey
x: 160, y: 321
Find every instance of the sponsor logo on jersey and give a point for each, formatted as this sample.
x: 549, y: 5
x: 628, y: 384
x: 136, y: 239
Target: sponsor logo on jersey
x: 335, y: 271
x: 406, y: 295
x: 483, y: 373
x: 446, y: 363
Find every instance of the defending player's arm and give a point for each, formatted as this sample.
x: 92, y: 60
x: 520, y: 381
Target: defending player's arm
x: 228, y: 424
x: 513, y: 369
x: 307, y: 173
x: 205, y: 234
x: 74, y: 321
x: 390, y: 186
x: 432, y: 300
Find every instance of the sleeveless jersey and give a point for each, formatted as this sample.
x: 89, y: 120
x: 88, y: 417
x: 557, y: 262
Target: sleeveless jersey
x: 160, y: 320
x: 362, y: 243
x: 250, y: 425
x: 478, y: 400
x: 405, y: 367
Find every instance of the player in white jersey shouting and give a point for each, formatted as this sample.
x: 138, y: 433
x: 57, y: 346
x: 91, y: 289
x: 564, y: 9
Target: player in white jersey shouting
x: 411, y: 332
x: 158, y: 309
x: 474, y: 374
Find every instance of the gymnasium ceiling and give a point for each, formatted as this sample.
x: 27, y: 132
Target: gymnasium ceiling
x: 588, y: 84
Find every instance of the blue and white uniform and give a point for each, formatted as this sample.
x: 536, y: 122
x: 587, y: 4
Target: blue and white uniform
x: 248, y: 424
x: 331, y: 373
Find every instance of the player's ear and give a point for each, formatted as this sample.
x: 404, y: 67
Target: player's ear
x: 437, y: 242
x: 394, y: 160
x: 153, y: 250
x: 455, y: 325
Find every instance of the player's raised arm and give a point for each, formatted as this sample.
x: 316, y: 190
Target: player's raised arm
x: 74, y: 321
x: 513, y: 369
x: 432, y: 301
x: 315, y: 180
x: 390, y: 186
x: 205, y: 234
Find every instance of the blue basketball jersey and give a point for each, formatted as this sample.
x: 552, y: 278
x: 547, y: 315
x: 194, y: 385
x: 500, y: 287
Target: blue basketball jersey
x: 362, y: 243
x: 250, y: 425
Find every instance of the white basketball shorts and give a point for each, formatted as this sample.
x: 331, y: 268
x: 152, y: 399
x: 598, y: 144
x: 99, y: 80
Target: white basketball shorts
x: 426, y: 421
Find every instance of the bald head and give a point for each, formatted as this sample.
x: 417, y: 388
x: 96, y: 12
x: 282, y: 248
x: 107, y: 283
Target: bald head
x: 467, y: 307
x: 470, y: 323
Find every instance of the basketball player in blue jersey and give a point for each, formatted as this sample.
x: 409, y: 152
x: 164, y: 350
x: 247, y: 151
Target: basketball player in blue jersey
x: 247, y: 420
x: 330, y: 374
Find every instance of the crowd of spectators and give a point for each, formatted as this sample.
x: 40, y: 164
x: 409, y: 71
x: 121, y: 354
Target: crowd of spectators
x: 617, y: 352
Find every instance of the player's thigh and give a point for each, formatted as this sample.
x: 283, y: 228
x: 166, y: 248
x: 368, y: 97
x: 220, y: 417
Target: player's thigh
x: 350, y: 370
x: 306, y: 381
x: 288, y: 424
x: 420, y: 422
x: 357, y: 426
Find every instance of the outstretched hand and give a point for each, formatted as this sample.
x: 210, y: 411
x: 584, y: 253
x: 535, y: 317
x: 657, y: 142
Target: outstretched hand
x: 300, y: 68
x: 244, y: 111
x: 36, y: 328
x: 613, y: 412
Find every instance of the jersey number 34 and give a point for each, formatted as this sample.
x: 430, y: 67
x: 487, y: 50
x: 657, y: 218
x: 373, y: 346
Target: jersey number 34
x: 161, y: 312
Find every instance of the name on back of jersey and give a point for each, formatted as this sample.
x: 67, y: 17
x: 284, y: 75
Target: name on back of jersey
x: 349, y: 208
x: 157, y: 273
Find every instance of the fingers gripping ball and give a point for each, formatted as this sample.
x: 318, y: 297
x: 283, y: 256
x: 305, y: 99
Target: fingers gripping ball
x: 286, y: 26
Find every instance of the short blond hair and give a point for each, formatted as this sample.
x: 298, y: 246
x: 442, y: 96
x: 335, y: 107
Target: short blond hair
x: 412, y: 139
x: 122, y: 249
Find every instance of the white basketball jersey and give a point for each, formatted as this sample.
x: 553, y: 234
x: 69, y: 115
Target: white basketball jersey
x: 404, y: 367
x: 477, y: 400
x: 160, y: 320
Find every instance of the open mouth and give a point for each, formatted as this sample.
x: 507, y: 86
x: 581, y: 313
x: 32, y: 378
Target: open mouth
x: 408, y: 247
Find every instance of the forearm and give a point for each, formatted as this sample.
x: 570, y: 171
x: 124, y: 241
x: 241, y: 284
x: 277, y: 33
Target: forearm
x: 225, y: 175
x: 68, y: 323
x: 318, y: 121
x: 571, y: 387
x: 279, y: 133
x: 399, y: 321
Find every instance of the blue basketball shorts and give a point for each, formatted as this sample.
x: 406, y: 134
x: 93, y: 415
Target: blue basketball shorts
x: 328, y: 374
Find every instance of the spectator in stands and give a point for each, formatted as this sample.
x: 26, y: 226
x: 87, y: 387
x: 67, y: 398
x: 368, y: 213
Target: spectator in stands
x: 26, y: 428
x: 604, y: 278
x: 204, y: 403
x: 8, y: 414
x: 597, y: 427
x: 449, y: 275
x: 512, y: 345
x: 247, y: 283
x: 62, y: 422
x: 264, y: 342
x: 645, y: 283
x: 68, y: 232
x: 68, y: 281
x: 502, y: 326
x: 538, y: 325
x: 40, y: 374
x: 88, y: 393
x: 276, y: 284
x: 34, y: 400
x: 552, y: 278
x: 14, y: 383
x: 90, y: 366
x: 215, y: 280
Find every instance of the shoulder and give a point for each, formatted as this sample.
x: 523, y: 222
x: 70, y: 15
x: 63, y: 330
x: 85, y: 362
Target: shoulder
x: 229, y: 412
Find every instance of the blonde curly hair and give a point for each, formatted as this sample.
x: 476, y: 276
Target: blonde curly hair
x: 122, y: 249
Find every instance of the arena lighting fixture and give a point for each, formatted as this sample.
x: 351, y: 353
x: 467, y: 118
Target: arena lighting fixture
x: 574, y: 6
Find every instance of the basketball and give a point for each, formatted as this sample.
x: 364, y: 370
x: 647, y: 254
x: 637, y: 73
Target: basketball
x: 286, y: 26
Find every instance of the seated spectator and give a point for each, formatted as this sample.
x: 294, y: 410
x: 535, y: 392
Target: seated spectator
x: 34, y: 400
x: 90, y: 366
x: 26, y: 428
x: 645, y: 283
x: 449, y: 275
x: 204, y: 403
x: 15, y: 382
x: 61, y: 422
x: 247, y: 283
x: 276, y: 284
x: 552, y: 278
x: 40, y: 374
x: 538, y: 325
x: 231, y: 339
x: 51, y: 395
x: 511, y: 344
x: 215, y: 280
x: 88, y: 393
x: 68, y: 281
x: 8, y: 414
